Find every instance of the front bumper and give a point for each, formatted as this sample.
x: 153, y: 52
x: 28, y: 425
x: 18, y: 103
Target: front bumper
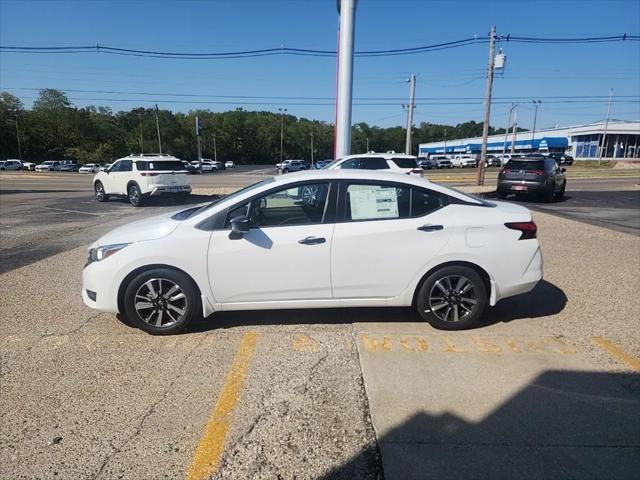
x: 100, y: 286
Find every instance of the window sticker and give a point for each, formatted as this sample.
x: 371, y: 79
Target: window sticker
x: 372, y: 203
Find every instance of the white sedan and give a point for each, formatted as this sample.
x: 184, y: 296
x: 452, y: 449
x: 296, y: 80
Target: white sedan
x: 89, y: 168
x: 318, y: 239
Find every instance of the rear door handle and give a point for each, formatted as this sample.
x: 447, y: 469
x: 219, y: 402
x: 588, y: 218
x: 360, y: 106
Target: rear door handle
x: 430, y: 228
x: 312, y: 240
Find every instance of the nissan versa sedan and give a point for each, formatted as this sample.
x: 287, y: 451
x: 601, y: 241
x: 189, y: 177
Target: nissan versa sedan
x: 318, y: 239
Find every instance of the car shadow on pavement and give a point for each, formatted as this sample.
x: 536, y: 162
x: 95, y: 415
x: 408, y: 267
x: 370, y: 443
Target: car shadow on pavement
x: 544, y: 300
x: 174, y: 200
x: 561, y: 424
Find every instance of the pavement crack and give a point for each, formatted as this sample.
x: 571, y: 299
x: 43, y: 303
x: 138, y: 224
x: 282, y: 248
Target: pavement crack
x: 150, y: 411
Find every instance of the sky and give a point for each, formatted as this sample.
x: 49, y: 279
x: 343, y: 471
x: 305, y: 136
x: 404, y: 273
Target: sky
x: 533, y: 71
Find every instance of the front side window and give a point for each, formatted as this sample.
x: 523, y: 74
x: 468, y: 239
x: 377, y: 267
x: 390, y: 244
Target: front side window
x: 300, y: 205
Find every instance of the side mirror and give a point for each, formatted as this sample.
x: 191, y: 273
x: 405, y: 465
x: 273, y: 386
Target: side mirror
x: 239, y: 226
x: 563, y: 170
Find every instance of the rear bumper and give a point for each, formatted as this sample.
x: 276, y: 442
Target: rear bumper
x: 532, y: 275
x: 162, y: 189
x: 519, y: 186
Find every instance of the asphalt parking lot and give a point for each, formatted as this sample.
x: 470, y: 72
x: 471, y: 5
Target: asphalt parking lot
x: 547, y: 387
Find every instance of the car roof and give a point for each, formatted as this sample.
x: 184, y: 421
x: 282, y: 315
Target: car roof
x: 385, y: 155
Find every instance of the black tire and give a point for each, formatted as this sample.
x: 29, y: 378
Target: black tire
x: 135, y: 195
x: 285, y: 171
x: 171, y: 321
x: 548, y: 196
x: 560, y: 194
x: 453, y: 303
x: 501, y: 195
x: 98, y: 191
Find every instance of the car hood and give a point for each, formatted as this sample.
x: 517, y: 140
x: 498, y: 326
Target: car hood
x: 151, y: 228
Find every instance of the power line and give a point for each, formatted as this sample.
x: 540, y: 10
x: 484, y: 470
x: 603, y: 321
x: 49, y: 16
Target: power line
x: 97, y: 48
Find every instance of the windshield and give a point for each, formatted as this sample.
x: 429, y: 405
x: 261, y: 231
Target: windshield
x: 189, y: 212
x: 525, y: 165
x: 167, y: 165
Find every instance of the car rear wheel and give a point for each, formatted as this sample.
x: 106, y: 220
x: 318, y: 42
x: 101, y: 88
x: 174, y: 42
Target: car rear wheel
x: 135, y: 195
x: 560, y: 194
x: 98, y: 189
x: 162, y: 301
x: 452, y: 298
x: 548, y: 196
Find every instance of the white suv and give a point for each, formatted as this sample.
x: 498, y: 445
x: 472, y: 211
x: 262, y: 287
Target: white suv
x: 464, y: 160
x: 11, y: 165
x: 139, y: 176
x: 48, y: 166
x: 389, y: 162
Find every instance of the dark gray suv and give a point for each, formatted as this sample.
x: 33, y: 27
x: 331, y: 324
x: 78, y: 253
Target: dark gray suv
x: 540, y: 176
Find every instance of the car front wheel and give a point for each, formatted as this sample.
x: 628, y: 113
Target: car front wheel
x: 452, y: 298
x: 162, y: 301
x: 98, y: 189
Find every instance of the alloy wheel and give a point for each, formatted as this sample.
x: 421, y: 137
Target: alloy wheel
x: 452, y: 298
x: 99, y: 189
x: 160, y: 302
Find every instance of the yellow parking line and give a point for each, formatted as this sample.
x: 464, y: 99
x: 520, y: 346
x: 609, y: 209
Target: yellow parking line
x: 207, y: 456
x: 617, y: 352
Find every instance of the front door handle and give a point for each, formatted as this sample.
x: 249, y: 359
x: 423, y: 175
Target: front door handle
x: 312, y: 240
x: 430, y: 228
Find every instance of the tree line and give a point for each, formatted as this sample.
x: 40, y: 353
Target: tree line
x: 54, y: 129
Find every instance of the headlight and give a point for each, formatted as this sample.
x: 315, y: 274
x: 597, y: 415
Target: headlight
x: 100, y: 253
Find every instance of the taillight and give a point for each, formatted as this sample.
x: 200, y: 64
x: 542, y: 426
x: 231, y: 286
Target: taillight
x: 506, y: 170
x: 149, y: 174
x: 528, y: 229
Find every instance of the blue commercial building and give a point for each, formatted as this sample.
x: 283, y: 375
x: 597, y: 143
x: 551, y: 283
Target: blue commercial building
x: 617, y: 139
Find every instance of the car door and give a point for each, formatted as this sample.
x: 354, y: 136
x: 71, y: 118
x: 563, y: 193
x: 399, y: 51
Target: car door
x: 118, y: 175
x: 285, y: 256
x: 387, y: 233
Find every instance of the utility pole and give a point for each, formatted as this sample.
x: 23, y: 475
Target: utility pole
x: 282, y: 111
x: 141, y: 143
x: 199, y: 129
x: 367, y: 144
x: 18, y: 135
x: 487, y: 105
x: 513, y: 139
x: 412, y: 95
x: 215, y: 149
x: 606, y: 127
x: 311, y: 134
x: 445, y: 141
x: 158, y: 130
x: 344, y: 97
x: 536, y: 104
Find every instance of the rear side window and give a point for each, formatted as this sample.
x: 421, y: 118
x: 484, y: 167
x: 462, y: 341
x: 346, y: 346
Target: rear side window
x: 425, y: 201
x: 369, y: 163
x: 164, y: 165
x: 404, y: 162
x: 524, y: 165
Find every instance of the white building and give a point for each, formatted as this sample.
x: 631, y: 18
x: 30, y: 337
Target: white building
x: 622, y: 141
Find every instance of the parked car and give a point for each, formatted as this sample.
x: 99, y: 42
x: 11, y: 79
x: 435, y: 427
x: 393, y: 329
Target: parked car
x: 299, y: 241
x: 89, y: 168
x: 562, y: 158
x: 191, y: 169
x: 493, y: 161
x: 229, y: 164
x: 464, y: 160
x: 426, y: 163
x: 28, y: 166
x: 442, y: 161
x: 105, y: 167
x: 540, y: 176
x: 11, y: 165
x: 507, y: 157
x: 69, y: 167
x: 292, y: 166
x: 389, y: 162
x: 207, y: 165
x: 140, y: 176
x: 48, y: 166
x: 318, y: 164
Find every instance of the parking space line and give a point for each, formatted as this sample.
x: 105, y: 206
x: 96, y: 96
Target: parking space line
x: 615, y: 351
x: 73, y: 211
x: 209, y: 450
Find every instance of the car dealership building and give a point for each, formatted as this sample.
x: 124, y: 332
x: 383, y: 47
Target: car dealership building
x: 621, y: 141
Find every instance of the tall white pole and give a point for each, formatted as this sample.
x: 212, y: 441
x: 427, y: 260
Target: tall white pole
x: 347, y: 11
x: 606, y: 127
x: 158, y: 130
x: 412, y: 94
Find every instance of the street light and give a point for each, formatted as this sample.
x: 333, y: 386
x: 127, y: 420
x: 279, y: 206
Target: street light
x: 282, y: 111
x: 536, y: 104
